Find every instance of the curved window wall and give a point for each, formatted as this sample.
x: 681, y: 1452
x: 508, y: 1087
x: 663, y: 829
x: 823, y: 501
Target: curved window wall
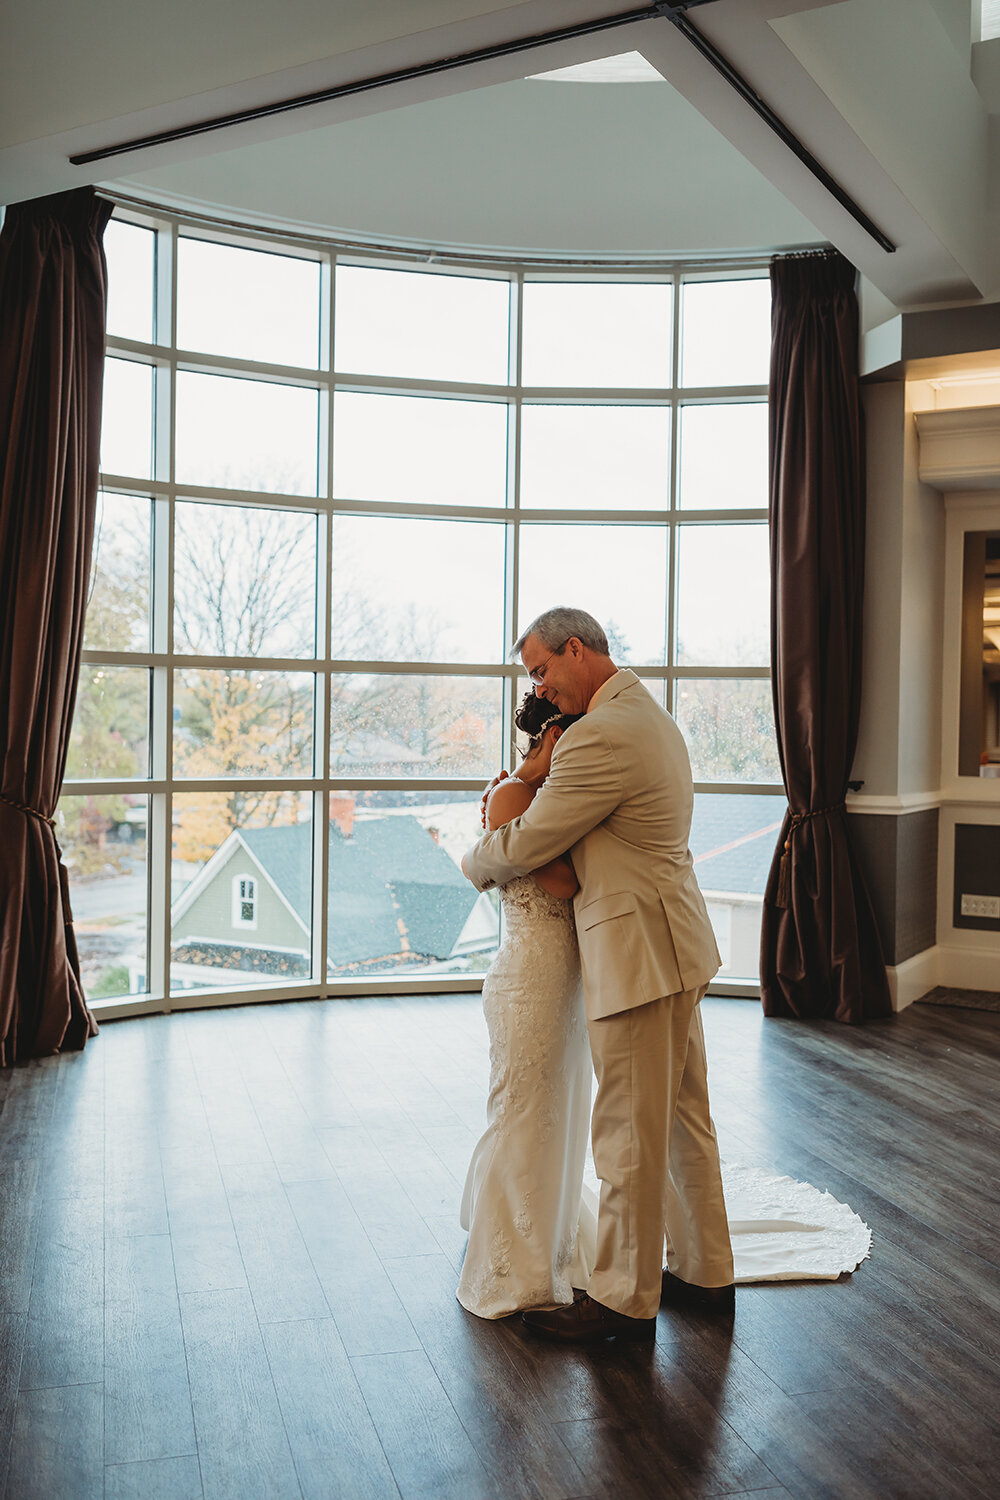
x: 333, y: 489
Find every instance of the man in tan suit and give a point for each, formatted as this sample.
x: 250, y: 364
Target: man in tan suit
x: 619, y: 798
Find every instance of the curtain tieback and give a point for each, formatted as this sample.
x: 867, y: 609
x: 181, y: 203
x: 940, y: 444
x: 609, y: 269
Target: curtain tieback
x: 784, y: 891
x: 31, y: 811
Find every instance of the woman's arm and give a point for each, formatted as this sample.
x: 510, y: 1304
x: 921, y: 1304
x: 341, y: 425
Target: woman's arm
x: 583, y: 787
x: 509, y: 799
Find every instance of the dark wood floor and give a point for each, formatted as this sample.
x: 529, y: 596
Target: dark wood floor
x: 229, y: 1249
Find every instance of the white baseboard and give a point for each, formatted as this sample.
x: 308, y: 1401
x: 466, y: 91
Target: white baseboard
x: 968, y: 968
x: 914, y: 977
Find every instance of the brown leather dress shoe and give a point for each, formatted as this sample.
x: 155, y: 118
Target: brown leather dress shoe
x: 678, y: 1293
x: 585, y: 1321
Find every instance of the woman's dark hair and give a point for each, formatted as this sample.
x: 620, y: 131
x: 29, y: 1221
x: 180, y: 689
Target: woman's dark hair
x: 534, y: 715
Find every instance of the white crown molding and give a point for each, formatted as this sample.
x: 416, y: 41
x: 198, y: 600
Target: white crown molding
x: 960, y: 448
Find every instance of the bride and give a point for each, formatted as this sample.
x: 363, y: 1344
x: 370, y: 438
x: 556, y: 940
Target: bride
x: 522, y: 1199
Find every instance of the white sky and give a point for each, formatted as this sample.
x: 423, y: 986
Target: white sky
x: 449, y: 576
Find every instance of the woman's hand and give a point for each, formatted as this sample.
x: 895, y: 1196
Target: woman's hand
x: 500, y: 776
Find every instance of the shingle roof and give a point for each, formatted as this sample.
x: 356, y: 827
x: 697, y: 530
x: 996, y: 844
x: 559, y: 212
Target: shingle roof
x: 733, y: 839
x: 392, y: 889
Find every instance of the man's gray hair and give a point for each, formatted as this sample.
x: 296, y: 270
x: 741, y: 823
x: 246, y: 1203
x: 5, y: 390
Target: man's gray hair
x: 554, y: 626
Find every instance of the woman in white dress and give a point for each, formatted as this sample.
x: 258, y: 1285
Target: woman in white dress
x: 522, y: 1199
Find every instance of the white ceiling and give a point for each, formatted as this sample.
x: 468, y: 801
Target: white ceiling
x: 603, y: 168
x: 882, y: 91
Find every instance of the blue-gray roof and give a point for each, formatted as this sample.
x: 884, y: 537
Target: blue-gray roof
x: 733, y: 839
x: 393, y: 890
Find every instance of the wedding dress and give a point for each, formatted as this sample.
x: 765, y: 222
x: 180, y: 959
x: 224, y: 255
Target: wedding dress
x: 530, y: 1199
x: 521, y: 1203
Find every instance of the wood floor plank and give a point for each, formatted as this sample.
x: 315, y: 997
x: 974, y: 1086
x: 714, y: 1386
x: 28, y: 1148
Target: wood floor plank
x: 796, y: 1451
x: 876, y: 1439
x: 27, y: 1108
x: 337, y: 1452
x: 147, y: 1404
x: 206, y: 1251
x: 64, y: 1339
x: 779, y: 1328
x: 369, y: 1315
x: 12, y: 1327
x: 428, y: 1449
x: 656, y: 1412
x: 280, y: 1273
x: 517, y: 1443
x: 154, y: 1479
x: 242, y: 1444
x: 19, y: 1211
x: 57, y: 1448
x: 386, y: 1212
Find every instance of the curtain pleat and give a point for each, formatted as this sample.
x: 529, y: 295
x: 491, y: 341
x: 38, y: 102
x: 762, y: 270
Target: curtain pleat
x: 820, y: 950
x: 53, y: 300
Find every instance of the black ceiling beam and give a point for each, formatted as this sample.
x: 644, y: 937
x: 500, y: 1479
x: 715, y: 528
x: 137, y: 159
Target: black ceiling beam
x: 675, y: 13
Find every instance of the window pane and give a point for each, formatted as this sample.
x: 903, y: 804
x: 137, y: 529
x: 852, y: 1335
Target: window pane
x: 103, y: 842
x: 726, y: 332
x: 431, y: 327
x: 617, y: 573
x: 733, y: 840
x: 724, y: 456
x: 385, y: 725
x: 723, y: 596
x: 110, y: 734
x: 399, y: 902
x: 220, y: 935
x: 609, y: 457
x: 244, y: 581
x: 248, y: 303
x: 598, y: 334
x: 130, y: 252
x: 118, y: 607
x: 243, y: 723
x: 417, y: 590
x: 729, y: 728
x: 419, y: 449
x: 247, y: 434
x: 127, y: 420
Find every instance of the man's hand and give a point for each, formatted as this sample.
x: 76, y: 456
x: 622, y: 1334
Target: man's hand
x: 486, y: 795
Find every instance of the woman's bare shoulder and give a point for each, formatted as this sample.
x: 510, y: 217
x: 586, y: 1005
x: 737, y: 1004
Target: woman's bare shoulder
x: 508, y: 799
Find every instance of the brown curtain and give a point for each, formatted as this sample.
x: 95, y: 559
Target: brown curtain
x: 820, y: 950
x: 53, y: 296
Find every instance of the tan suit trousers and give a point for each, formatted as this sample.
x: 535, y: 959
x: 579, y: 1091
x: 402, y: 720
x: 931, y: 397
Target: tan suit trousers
x: 656, y: 1154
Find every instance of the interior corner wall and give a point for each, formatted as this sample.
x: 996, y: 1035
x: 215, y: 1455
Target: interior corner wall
x: 899, y: 737
x: 876, y: 759
x: 898, y: 754
x: 921, y: 623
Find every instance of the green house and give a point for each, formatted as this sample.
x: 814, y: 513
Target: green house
x: 396, y: 900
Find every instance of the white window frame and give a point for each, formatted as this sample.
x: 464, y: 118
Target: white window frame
x: 161, y: 785
x: 239, y: 900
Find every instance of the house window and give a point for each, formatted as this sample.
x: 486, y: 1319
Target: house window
x: 333, y: 491
x: 244, y: 901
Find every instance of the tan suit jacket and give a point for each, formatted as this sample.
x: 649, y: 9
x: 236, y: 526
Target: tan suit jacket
x: 619, y: 798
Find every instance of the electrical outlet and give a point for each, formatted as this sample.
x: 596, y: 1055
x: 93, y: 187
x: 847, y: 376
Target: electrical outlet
x: 981, y: 906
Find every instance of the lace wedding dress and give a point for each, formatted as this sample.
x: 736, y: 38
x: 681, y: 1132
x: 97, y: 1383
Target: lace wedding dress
x: 521, y: 1203
x: 530, y: 1199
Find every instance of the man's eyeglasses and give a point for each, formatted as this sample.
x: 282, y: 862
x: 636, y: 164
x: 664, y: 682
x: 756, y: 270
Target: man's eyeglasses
x: 537, y: 676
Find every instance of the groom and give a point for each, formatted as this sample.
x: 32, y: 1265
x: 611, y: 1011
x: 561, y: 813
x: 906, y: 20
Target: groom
x: 619, y: 799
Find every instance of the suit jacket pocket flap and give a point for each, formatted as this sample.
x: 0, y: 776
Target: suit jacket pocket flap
x: 606, y: 907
